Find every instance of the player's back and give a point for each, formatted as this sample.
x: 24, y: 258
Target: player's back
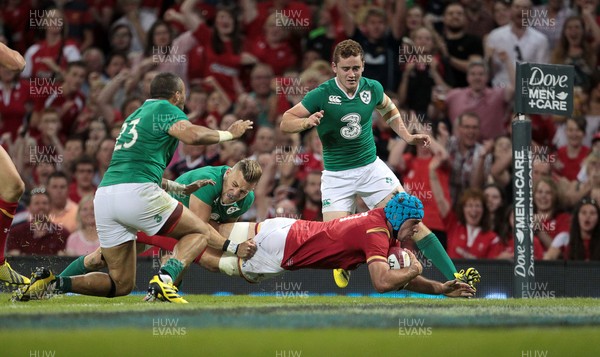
x: 144, y: 147
x: 342, y: 243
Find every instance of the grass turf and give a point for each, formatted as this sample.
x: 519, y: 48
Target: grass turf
x: 289, y: 327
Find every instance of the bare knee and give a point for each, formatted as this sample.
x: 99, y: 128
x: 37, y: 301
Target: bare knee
x: 13, y: 190
x: 124, y: 287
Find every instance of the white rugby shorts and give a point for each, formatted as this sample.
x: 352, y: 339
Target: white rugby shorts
x: 372, y: 182
x: 124, y: 209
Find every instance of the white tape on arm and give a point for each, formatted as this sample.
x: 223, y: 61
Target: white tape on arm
x: 173, y: 186
x: 224, y: 136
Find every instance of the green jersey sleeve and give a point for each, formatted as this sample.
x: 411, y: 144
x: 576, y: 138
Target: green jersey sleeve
x: 313, y: 100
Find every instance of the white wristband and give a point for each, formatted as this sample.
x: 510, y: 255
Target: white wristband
x: 175, y: 187
x: 232, y: 248
x: 224, y: 136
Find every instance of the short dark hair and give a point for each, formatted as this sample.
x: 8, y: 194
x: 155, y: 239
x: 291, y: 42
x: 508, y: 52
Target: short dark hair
x: 80, y: 64
x: 84, y: 160
x: 57, y: 174
x: 348, y: 48
x: 164, y: 85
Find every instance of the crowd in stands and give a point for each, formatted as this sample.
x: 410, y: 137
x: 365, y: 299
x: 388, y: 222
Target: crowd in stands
x: 449, y: 65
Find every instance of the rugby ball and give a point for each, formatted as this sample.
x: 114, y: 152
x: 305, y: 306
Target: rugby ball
x: 398, y: 258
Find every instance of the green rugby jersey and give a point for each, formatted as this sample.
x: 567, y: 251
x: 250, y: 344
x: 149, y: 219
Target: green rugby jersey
x: 346, y: 127
x: 211, y: 195
x: 144, y: 147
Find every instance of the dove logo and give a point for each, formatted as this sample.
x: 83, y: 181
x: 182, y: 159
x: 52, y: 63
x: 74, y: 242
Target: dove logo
x: 538, y: 78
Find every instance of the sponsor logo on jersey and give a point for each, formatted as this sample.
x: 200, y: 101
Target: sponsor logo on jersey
x: 215, y: 216
x: 232, y: 209
x: 365, y: 96
x: 335, y: 99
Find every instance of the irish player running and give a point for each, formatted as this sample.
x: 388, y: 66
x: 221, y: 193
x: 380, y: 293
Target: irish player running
x: 130, y: 199
x: 341, y: 109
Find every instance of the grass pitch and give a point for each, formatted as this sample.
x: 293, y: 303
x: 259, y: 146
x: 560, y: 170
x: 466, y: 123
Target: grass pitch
x: 299, y: 326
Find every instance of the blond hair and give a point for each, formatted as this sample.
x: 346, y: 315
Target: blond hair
x: 250, y: 169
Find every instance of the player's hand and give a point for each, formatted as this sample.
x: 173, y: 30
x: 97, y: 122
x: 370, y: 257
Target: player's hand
x: 419, y: 139
x: 194, y: 186
x: 313, y: 120
x: 455, y: 288
x: 415, y: 264
x: 239, y: 127
x: 247, y: 249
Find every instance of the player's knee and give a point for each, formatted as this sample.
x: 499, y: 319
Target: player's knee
x: 124, y: 287
x: 14, y: 190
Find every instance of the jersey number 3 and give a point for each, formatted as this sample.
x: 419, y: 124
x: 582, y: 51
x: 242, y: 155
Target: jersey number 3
x: 132, y: 131
x: 352, y: 129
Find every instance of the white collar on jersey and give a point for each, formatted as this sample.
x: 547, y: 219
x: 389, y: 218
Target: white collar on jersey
x: 343, y: 91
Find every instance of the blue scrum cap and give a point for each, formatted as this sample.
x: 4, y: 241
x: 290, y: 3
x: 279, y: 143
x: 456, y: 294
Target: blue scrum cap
x: 401, y: 208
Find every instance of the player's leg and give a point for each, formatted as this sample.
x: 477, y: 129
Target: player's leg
x: 338, y: 190
x: 119, y: 281
x: 11, y: 189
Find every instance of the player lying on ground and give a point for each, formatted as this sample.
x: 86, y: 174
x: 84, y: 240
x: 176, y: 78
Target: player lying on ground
x: 288, y: 244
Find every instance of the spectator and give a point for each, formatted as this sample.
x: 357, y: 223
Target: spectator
x: 574, y: 49
x: 79, y: 22
x: 479, y: 20
x: 67, y: 98
x: 261, y: 78
x: 98, y: 131
x: 224, y: 56
x: 496, y: 205
x: 520, y: 42
x: 63, y: 211
x: 465, y: 152
x: 582, y: 242
x: 15, y: 94
x: 50, y: 139
x: 103, y: 157
x: 460, y: 45
x: 468, y: 230
x: 425, y: 70
x: 196, y: 105
x: 47, y: 58
x: 264, y: 142
x: 286, y: 208
x: 492, y: 105
x: 137, y: 20
x: 501, y: 12
x: 571, y: 156
x: 73, y: 151
x: 548, y: 222
x: 414, y: 169
x: 550, y: 18
x: 498, y: 165
x: 37, y: 236
x: 84, y: 240
x: 193, y: 159
x: 380, y: 45
x: 505, y: 248
x: 121, y: 39
x: 83, y: 183
x: 310, y: 202
x: 273, y: 46
x: 311, y: 157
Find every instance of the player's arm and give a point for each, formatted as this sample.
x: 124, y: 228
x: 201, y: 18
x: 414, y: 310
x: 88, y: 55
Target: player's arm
x: 390, y: 113
x: 178, y: 188
x: 298, y: 119
x: 200, y: 135
x: 11, y: 59
x: 385, y: 279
